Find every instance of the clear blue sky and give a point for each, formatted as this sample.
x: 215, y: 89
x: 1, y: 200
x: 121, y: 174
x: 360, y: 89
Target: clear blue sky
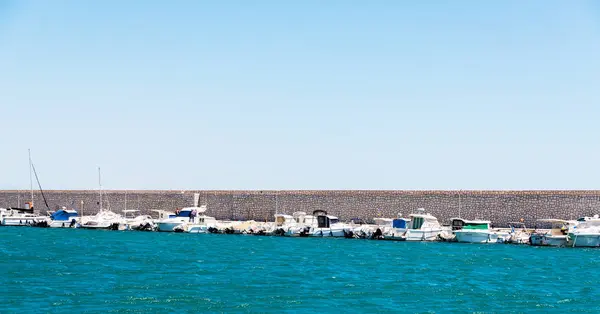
x: 336, y: 94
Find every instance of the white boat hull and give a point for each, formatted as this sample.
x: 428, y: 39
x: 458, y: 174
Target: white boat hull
x: 584, y: 240
x: 21, y: 221
x: 168, y: 226
x: 475, y: 237
x: 422, y: 235
x: 62, y: 224
x: 548, y: 240
x: 327, y: 232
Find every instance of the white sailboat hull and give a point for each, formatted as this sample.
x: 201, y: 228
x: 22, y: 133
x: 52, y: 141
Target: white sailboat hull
x: 20, y: 221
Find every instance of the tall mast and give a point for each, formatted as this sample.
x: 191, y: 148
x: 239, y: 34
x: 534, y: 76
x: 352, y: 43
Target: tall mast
x: 100, y: 184
x: 30, y: 177
x: 459, y: 193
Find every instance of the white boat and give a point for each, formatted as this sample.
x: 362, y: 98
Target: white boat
x: 556, y: 236
x: 303, y: 225
x: 133, y: 222
x: 186, y: 215
x: 328, y: 226
x: 422, y: 227
x: 370, y: 231
x: 476, y: 231
x: 24, y: 216
x: 20, y: 217
x: 398, y: 229
x: 586, y: 233
x: 104, y: 219
x: 518, y: 233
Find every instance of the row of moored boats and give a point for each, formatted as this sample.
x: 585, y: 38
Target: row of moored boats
x: 418, y: 226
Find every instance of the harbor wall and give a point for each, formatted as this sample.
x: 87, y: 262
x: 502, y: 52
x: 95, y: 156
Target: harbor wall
x: 501, y: 207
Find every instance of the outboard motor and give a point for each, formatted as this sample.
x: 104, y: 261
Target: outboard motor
x: 348, y: 234
x: 377, y: 235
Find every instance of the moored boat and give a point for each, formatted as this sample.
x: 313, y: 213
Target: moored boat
x: 476, y: 231
x: 422, y: 227
x: 586, y: 233
x: 556, y: 236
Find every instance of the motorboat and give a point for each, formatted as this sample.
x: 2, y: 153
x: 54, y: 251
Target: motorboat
x: 199, y: 224
x: 104, y: 219
x: 328, y: 225
x: 63, y: 218
x: 131, y: 221
x: 398, y: 229
x: 422, y: 227
x: 556, y: 236
x: 376, y: 230
x: 518, y: 233
x: 283, y: 223
x: 586, y: 233
x: 304, y: 223
x: 188, y: 216
x: 476, y: 231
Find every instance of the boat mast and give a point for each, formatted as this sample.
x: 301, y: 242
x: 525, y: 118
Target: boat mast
x: 276, y: 202
x: 100, y: 184
x: 459, y: 193
x: 30, y: 177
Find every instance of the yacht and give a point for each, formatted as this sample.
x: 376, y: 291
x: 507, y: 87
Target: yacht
x: 476, y: 231
x: 327, y: 226
x: 556, y: 236
x: 422, y: 227
x: 586, y: 233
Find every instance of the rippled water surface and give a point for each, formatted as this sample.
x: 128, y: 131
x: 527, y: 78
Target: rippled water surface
x: 67, y: 270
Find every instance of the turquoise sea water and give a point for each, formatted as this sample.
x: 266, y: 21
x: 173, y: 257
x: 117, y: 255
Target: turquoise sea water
x: 70, y: 270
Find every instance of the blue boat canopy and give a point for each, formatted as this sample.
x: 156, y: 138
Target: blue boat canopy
x: 399, y: 223
x: 65, y: 215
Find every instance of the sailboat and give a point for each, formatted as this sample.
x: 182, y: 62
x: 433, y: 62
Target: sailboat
x: 14, y: 216
x: 104, y: 219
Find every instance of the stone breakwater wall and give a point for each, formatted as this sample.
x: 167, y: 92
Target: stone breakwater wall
x: 501, y: 207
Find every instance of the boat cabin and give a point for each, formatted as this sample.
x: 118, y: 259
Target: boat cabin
x: 129, y: 211
x: 282, y: 219
x: 324, y: 220
x: 422, y: 220
x: 459, y: 224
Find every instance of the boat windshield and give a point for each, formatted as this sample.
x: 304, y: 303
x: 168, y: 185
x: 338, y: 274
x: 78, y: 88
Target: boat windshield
x: 471, y: 225
x: 334, y: 221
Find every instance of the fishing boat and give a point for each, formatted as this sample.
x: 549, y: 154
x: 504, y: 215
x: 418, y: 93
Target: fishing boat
x: 327, y: 225
x: 422, y: 227
x: 476, y: 231
x: 556, y: 236
x: 586, y: 233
